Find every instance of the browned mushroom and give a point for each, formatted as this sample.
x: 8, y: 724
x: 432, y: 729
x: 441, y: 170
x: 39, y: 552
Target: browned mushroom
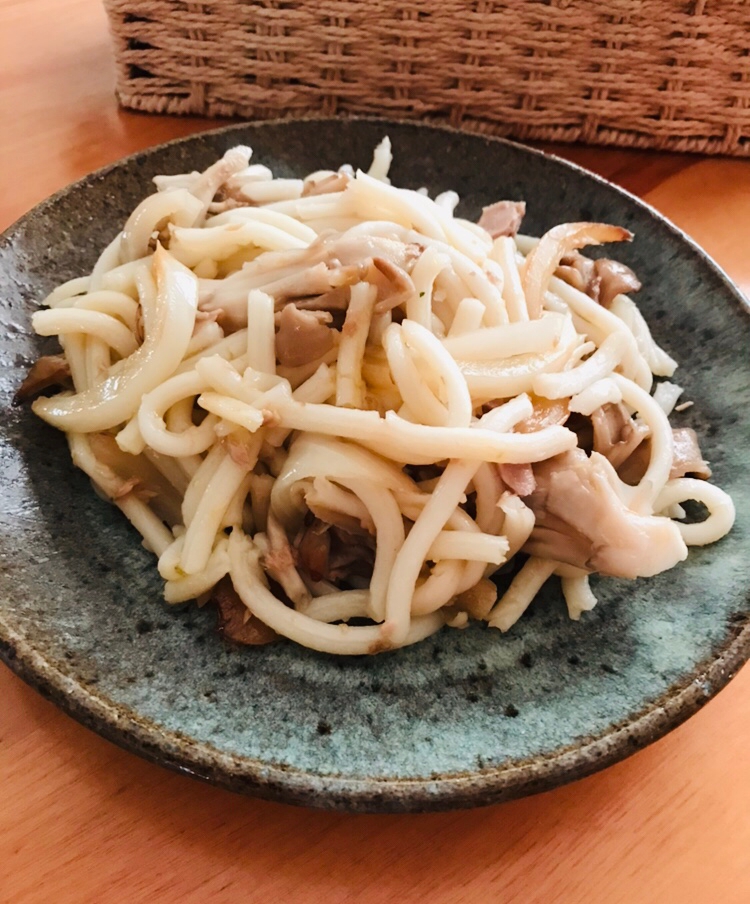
x: 235, y: 621
x: 49, y: 370
x: 600, y: 279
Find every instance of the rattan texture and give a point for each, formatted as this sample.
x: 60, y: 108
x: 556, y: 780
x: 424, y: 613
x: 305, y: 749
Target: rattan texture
x: 666, y: 74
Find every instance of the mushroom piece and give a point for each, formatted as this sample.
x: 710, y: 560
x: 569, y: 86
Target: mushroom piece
x: 518, y: 478
x: 302, y: 336
x: 616, y: 434
x: 581, y: 520
x: 687, y: 457
x: 235, y: 621
x: 600, y: 279
x: 503, y: 218
x: 553, y: 246
x: 327, y: 551
x: 49, y: 370
x: 326, y: 185
x: 280, y: 563
x: 317, y: 277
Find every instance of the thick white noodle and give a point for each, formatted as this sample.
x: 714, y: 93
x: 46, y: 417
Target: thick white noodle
x: 339, y: 606
x: 660, y: 363
x: 350, y: 387
x: 721, y: 512
x: 381, y: 161
x: 496, y: 343
x: 415, y: 392
x: 116, y: 398
x: 666, y: 395
x: 190, y: 586
x: 431, y: 351
x: 523, y: 588
x: 196, y: 438
x: 261, y: 351
x: 179, y: 207
x: 116, y: 304
x: 595, y: 395
x: 504, y: 253
x: 389, y: 534
x: 468, y: 546
x: 426, y: 269
x: 468, y: 317
x: 209, y: 514
x: 68, y: 292
x: 662, y: 445
x: 604, y: 360
x: 89, y: 323
x: 578, y: 595
x: 397, y: 439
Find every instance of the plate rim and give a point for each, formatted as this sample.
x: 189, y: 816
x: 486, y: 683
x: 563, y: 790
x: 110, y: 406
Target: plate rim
x: 511, y: 779
x: 285, y: 784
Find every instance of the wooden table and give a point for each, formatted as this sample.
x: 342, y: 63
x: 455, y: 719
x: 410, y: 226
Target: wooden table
x: 82, y: 821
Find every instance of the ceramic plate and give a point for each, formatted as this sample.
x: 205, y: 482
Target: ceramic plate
x: 462, y: 719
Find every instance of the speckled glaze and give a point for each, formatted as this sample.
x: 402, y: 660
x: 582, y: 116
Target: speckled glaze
x: 462, y: 719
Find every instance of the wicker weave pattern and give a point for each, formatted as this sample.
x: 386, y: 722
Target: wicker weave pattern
x: 670, y: 74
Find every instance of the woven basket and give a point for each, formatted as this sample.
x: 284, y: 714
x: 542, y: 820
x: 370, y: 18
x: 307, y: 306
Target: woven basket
x: 668, y: 74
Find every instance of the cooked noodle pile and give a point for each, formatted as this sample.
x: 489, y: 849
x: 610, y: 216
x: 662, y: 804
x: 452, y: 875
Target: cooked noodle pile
x: 337, y: 409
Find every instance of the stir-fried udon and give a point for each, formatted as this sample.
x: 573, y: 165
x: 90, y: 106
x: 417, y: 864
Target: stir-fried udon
x: 336, y: 409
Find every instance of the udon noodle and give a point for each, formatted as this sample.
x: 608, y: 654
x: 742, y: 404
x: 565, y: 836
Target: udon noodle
x: 357, y: 407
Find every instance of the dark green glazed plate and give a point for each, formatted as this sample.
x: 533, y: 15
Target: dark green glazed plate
x: 463, y: 719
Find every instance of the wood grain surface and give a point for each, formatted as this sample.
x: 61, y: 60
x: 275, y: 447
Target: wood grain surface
x: 82, y: 821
